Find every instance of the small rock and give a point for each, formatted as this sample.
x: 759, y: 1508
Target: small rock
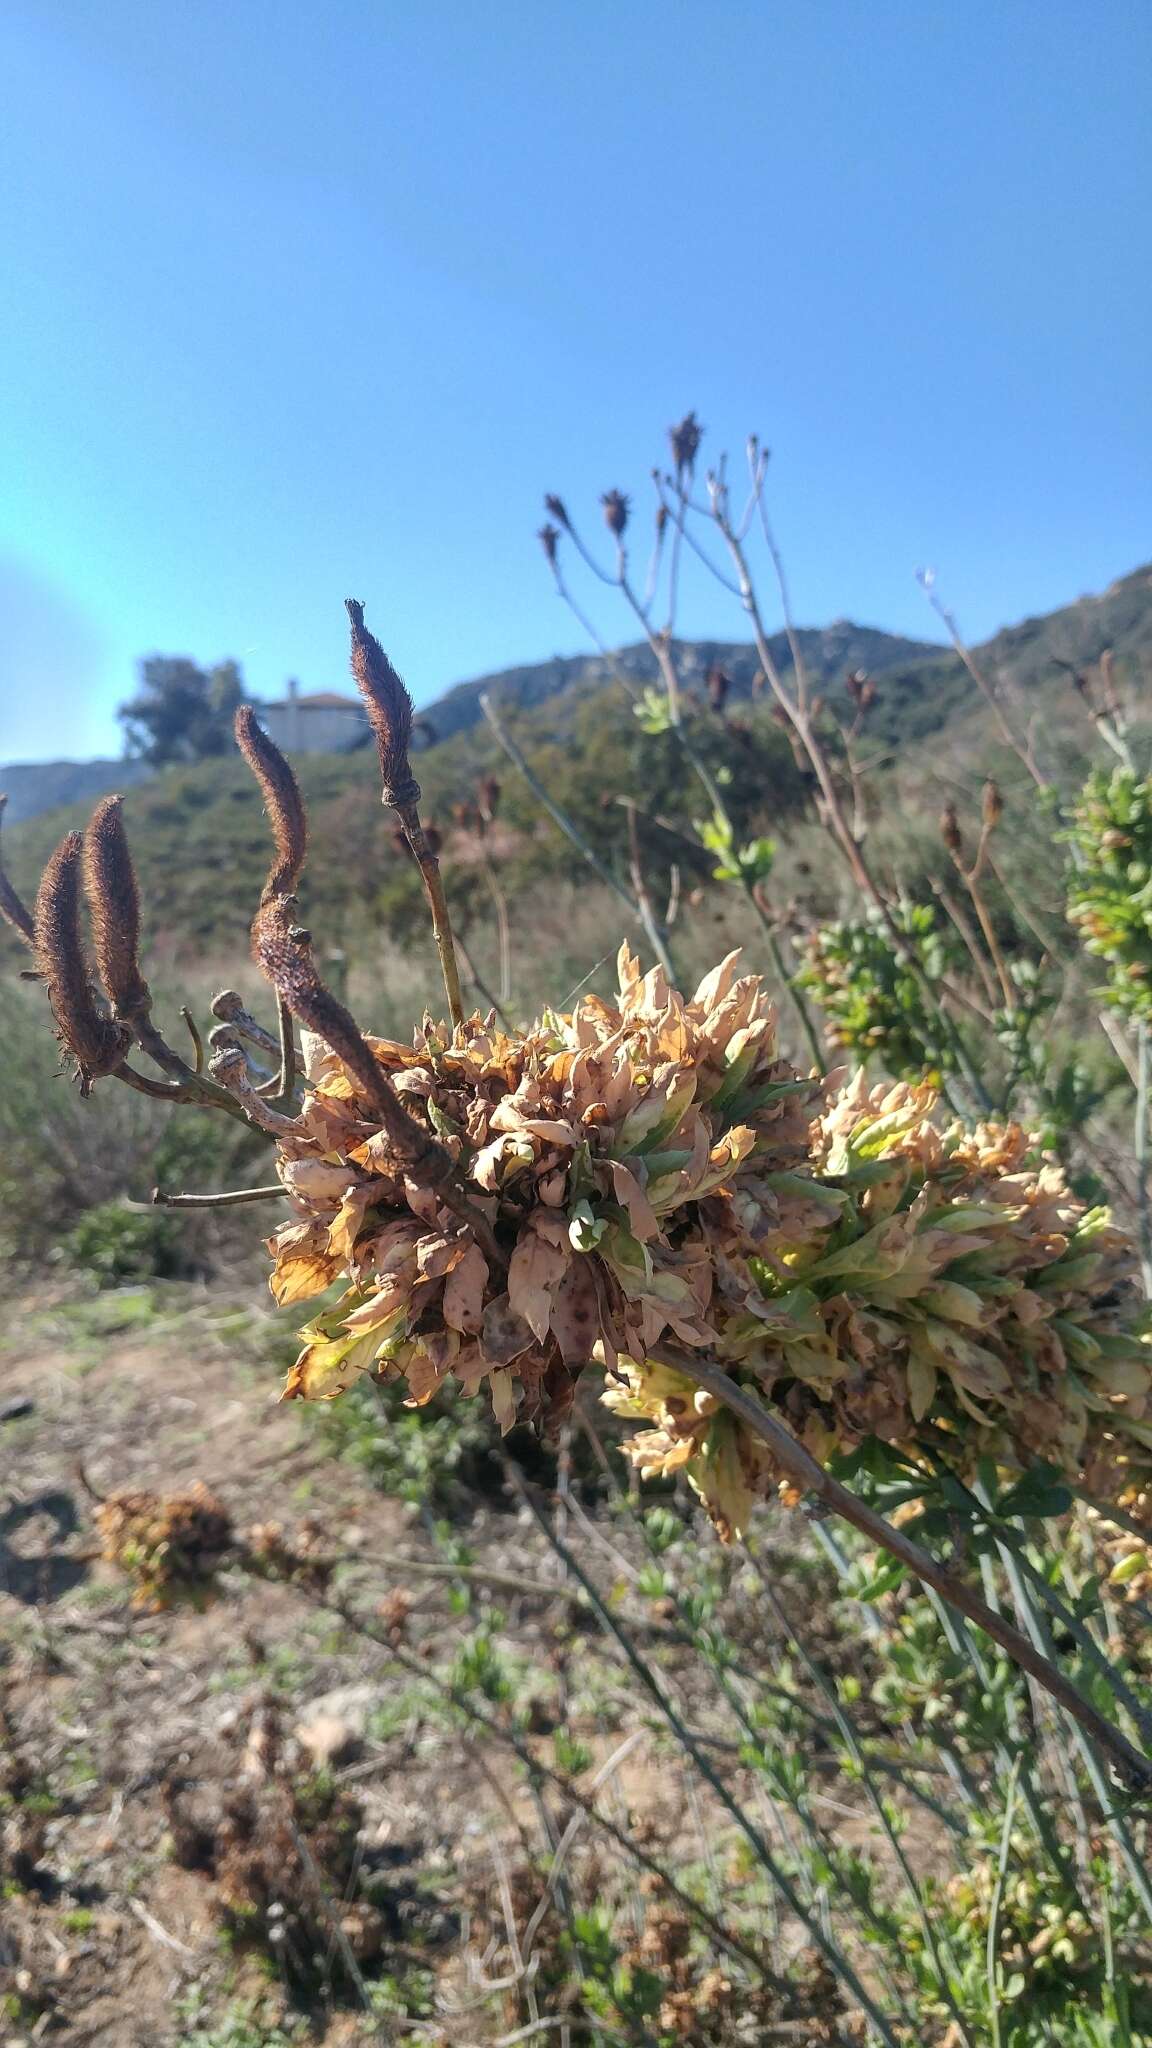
x: 332, y: 1727
x: 20, y: 1404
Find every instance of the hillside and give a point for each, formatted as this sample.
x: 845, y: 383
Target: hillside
x: 35, y: 786
x: 829, y: 654
x: 201, y: 841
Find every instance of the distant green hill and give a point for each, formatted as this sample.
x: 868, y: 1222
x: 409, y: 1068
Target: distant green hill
x: 201, y: 842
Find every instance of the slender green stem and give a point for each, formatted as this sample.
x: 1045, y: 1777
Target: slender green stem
x: 992, y: 1957
x: 1114, y: 1821
x: 812, y: 1478
x: 1140, y: 1149
x: 643, y: 1672
x: 855, y: 1751
x: 963, y: 1644
x: 1115, y: 1681
x: 457, y: 1696
x: 656, y: 935
x: 429, y: 867
x: 702, y: 1644
x: 798, y: 1000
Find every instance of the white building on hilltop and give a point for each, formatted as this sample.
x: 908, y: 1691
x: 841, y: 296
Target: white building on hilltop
x: 315, y: 722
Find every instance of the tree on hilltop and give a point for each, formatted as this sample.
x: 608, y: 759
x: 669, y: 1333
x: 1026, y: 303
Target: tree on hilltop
x: 182, y: 712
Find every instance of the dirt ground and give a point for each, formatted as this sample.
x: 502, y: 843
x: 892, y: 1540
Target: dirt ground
x: 104, y: 1937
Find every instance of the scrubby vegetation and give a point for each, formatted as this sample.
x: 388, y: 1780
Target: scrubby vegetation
x: 890, y: 1328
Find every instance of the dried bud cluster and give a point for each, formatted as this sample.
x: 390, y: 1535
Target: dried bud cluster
x: 950, y: 831
x: 616, y: 508
x: 861, y: 689
x: 685, y: 438
x: 991, y: 805
x: 653, y: 1175
x: 719, y: 684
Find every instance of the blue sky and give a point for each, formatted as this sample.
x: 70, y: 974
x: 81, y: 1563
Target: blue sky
x: 308, y: 300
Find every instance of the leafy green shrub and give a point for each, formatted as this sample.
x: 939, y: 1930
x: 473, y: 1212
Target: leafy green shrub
x: 1110, y: 891
x: 431, y: 1456
x: 872, y: 1000
x: 115, y: 1243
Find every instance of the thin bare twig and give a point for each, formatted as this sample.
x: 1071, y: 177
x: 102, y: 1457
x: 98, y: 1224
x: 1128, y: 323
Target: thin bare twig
x: 12, y: 908
x: 1024, y: 749
x: 229, y: 1199
x: 193, y: 1030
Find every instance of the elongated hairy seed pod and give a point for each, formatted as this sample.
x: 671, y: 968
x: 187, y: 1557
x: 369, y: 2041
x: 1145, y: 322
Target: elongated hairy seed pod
x: 950, y: 831
x: 12, y: 908
x: 992, y: 805
x: 98, y: 1044
x: 389, y: 710
x: 284, y: 953
x: 114, y: 906
x: 282, y: 801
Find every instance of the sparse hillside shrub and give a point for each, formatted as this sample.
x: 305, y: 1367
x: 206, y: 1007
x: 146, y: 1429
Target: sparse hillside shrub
x: 1110, y: 888
x: 795, y: 1283
x: 115, y: 1243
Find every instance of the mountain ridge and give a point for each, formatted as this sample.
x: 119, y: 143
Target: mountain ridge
x: 923, y: 684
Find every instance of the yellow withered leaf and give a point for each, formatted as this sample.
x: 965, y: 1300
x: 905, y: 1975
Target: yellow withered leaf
x: 304, y: 1265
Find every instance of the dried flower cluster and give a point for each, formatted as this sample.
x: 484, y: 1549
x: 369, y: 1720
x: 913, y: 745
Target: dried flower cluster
x: 589, y: 1144
x: 657, y: 1181
x: 171, y: 1547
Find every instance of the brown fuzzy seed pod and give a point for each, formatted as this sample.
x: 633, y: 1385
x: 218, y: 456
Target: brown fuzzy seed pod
x: 97, y: 1044
x: 549, y: 538
x: 282, y: 801
x: 718, y: 684
x: 950, y: 831
x: 12, y: 908
x: 114, y: 905
x: 992, y: 805
x: 285, y: 955
x: 488, y: 796
x: 389, y: 710
x: 558, y: 510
